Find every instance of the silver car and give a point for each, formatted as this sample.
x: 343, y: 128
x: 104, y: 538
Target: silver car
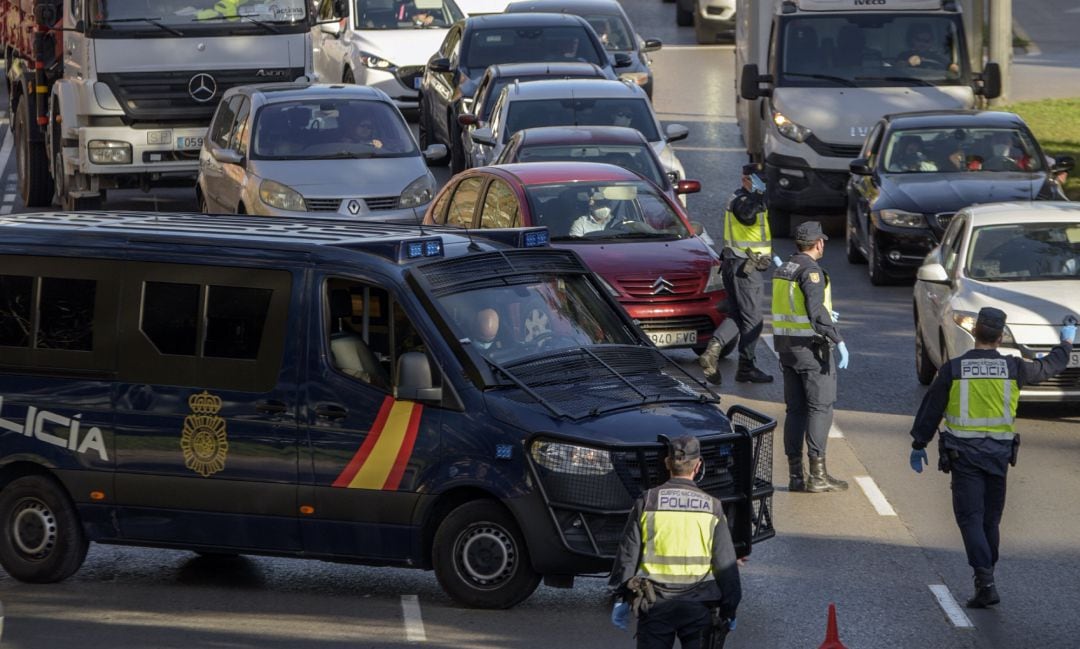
x: 299, y: 149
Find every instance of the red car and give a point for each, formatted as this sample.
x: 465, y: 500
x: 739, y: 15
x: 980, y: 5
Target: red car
x: 627, y: 230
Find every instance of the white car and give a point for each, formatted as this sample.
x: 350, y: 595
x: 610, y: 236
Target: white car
x: 711, y: 18
x: 384, y: 44
x: 1022, y: 258
x: 572, y: 102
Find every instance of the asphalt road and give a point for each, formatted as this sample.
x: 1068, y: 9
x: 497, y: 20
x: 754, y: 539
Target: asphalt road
x: 877, y: 563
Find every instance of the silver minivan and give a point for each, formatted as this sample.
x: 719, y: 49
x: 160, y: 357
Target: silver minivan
x: 301, y: 149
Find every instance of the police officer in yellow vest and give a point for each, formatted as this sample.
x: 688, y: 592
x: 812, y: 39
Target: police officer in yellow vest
x: 747, y: 254
x: 223, y: 8
x: 977, y: 394
x: 678, y: 539
x: 805, y: 336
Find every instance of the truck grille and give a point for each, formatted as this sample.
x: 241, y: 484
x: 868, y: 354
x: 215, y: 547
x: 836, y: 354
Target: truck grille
x: 166, y: 96
x: 673, y: 285
x: 833, y: 150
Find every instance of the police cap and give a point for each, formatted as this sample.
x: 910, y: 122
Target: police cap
x: 809, y: 231
x: 991, y: 318
x: 685, y: 447
x: 752, y: 168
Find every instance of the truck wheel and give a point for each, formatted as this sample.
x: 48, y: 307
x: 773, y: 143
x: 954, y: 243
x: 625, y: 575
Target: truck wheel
x: 480, y: 557
x: 41, y: 538
x: 779, y: 222
x: 683, y: 18
x: 31, y: 163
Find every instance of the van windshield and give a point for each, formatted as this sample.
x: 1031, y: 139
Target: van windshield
x: 871, y: 50
x: 546, y: 314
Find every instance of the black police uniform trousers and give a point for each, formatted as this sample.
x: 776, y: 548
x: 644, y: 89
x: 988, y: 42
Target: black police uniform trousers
x: 745, y: 286
x: 809, y: 394
x: 978, y: 501
x: 671, y: 618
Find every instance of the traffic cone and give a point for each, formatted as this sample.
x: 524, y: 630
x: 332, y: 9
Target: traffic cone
x: 832, y: 636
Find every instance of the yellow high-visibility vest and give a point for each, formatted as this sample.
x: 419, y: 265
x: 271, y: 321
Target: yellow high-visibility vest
x: 789, y: 315
x: 982, y: 399
x: 756, y: 237
x: 677, y: 537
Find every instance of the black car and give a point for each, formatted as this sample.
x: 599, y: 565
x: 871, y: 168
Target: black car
x: 472, y: 44
x: 918, y: 169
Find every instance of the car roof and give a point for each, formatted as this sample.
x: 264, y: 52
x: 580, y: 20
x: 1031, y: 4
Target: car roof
x: 1024, y: 212
x: 560, y: 88
x: 291, y: 91
x: 953, y: 119
x: 567, y: 6
x: 501, y: 70
x: 541, y: 173
x: 531, y: 19
x: 581, y: 135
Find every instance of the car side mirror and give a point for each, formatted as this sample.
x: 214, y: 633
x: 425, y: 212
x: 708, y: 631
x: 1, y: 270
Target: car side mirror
x: 991, y: 81
x: 652, y: 45
x: 687, y: 187
x: 341, y: 8
x: 675, y: 132
x: 933, y: 273
x: 440, y: 65
x: 227, y: 156
x: 483, y: 135
x: 466, y: 119
x: 1063, y: 163
x: 414, y: 381
x: 860, y: 167
x: 435, y: 152
x: 331, y: 27
x: 750, y: 83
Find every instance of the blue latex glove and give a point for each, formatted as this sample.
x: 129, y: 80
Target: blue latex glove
x: 757, y: 184
x: 731, y: 624
x: 918, y: 459
x: 620, y: 615
x: 835, y: 316
x: 842, y: 348
x: 1068, y: 333
x: 777, y: 261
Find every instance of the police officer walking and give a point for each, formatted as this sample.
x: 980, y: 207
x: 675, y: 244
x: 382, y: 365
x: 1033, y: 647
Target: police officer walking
x: 805, y: 336
x: 977, y: 394
x: 747, y: 254
x: 676, y: 551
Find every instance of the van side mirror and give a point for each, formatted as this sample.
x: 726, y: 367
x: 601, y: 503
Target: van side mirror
x: 991, y: 81
x: 483, y: 135
x: 675, y: 132
x: 933, y: 273
x: 652, y: 45
x: 341, y: 8
x: 414, y: 381
x: 440, y: 65
x: 860, y: 167
x: 621, y: 60
x: 1063, y: 163
x: 227, y: 156
x: 750, y: 83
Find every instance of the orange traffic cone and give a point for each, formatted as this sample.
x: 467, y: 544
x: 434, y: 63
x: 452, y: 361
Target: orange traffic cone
x: 832, y: 636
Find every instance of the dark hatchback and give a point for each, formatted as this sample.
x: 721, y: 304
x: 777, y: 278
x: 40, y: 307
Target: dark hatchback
x: 916, y: 170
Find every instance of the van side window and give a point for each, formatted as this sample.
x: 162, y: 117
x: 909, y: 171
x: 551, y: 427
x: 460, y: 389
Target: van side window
x: 66, y: 314
x: 170, y: 314
x: 16, y: 295
x: 235, y: 317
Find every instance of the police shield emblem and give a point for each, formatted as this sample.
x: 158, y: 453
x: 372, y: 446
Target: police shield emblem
x: 204, y: 441
x: 815, y: 277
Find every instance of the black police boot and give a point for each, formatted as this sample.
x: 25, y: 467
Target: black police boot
x: 820, y: 480
x: 751, y: 374
x: 985, y: 592
x: 796, y: 475
x: 709, y: 359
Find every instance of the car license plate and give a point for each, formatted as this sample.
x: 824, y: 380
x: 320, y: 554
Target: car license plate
x: 672, y: 338
x: 187, y: 142
x: 1074, y: 359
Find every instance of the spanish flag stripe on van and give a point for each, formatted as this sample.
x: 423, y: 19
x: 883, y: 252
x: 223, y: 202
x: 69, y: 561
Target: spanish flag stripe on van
x: 380, y: 462
x: 402, y: 461
x: 362, y: 454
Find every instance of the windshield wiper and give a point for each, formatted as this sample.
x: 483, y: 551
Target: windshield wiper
x: 346, y: 155
x: 912, y: 80
x: 826, y: 77
x: 156, y: 22
x: 265, y: 25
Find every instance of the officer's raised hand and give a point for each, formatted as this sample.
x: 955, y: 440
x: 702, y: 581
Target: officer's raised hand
x: 918, y: 459
x: 777, y: 261
x: 620, y: 615
x: 1068, y: 331
x: 842, y: 348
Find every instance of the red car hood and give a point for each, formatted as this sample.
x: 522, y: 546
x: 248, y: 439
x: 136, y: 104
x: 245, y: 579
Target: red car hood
x: 685, y: 262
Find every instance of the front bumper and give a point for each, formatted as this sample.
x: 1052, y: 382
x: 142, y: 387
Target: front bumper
x: 589, y: 511
x: 702, y: 316
x: 902, y: 250
x: 795, y: 187
x: 160, y: 158
x: 391, y: 82
x: 719, y: 16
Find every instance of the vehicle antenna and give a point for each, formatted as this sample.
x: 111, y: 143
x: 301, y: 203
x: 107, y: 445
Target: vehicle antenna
x: 419, y: 221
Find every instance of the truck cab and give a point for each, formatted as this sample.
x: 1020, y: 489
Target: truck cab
x: 815, y: 75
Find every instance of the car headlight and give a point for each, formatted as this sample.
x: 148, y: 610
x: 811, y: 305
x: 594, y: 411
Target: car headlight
x: 108, y: 152
x: 716, y: 282
x: 281, y: 196
x: 966, y: 321
x: 570, y: 458
x: 369, y: 60
x: 640, y: 78
x: 790, y: 129
x: 902, y: 219
x: 419, y: 192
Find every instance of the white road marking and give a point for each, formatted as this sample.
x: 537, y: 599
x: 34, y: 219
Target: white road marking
x: 835, y: 433
x: 951, y: 607
x: 874, y: 495
x: 414, y: 624
x: 6, y: 209
x: 9, y: 198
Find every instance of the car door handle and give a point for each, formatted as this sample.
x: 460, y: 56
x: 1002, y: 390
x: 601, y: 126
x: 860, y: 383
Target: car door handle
x: 330, y: 412
x: 271, y: 407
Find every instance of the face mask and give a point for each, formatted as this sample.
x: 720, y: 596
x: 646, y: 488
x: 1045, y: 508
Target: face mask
x: 601, y: 213
x: 1001, y: 149
x: 622, y: 120
x: 484, y: 345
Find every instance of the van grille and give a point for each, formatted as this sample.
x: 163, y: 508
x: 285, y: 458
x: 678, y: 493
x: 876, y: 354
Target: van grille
x: 833, y: 150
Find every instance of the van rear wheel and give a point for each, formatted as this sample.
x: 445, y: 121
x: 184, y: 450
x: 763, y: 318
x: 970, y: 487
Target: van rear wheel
x: 480, y: 557
x: 41, y: 537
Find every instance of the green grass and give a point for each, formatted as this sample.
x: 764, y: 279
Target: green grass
x: 1056, y: 124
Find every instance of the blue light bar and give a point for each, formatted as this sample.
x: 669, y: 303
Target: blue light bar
x: 420, y: 248
x: 537, y: 238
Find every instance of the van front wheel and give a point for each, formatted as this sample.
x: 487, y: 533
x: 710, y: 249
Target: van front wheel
x: 480, y: 557
x: 41, y: 540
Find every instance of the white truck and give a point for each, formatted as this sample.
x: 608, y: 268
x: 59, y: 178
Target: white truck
x: 813, y: 76
x: 115, y: 93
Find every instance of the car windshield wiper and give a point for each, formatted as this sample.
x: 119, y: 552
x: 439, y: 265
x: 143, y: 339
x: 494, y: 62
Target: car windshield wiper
x: 912, y: 80
x: 156, y: 22
x: 265, y: 25
x: 825, y: 77
x: 347, y: 155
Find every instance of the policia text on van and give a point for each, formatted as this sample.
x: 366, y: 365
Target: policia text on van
x: 337, y: 391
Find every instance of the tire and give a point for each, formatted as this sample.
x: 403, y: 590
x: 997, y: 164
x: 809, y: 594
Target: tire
x: 426, y: 138
x: 683, y: 18
x: 32, y: 164
x: 458, y: 163
x: 41, y: 537
x: 924, y: 367
x: 779, y: 222
x: 348, y: 77
x: 480, y: 558
x: 854, y: 256
x: 874, y: 262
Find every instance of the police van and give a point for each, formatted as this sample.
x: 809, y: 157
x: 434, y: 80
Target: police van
x: 476, y: 404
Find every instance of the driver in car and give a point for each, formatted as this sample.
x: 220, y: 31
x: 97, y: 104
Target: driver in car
x: 923, y: 52
x: 600, y: 214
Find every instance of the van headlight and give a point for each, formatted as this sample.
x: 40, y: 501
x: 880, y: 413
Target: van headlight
x: 419, y: 192
x: 790, y: 129
x: 716, y: 282
x: 570, y: 458
x: 902, y: 219
x: 281, y: 196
